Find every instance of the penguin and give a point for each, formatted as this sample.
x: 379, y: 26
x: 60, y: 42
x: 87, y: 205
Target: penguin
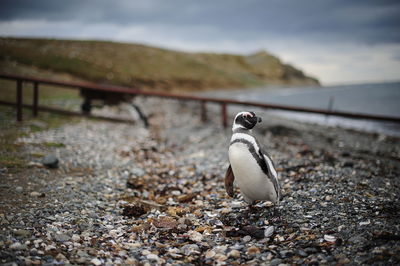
x: 250, y: 168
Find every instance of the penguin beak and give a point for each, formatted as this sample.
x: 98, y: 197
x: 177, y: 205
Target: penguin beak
x: 259, y: 120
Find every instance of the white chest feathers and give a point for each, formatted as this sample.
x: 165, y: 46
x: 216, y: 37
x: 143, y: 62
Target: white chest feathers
x: 254, y: 184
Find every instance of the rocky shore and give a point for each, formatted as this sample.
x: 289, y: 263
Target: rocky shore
x: 124, y: 194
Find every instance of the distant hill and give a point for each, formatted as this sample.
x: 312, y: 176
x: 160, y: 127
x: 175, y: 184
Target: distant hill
x: 146, y: 67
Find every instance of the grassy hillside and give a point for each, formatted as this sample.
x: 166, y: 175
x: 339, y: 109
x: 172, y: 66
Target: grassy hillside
x: 145, y: 67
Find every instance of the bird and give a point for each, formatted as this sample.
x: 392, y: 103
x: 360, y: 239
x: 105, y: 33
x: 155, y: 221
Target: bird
x: 250, y: 168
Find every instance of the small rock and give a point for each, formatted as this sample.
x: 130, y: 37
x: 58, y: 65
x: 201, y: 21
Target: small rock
x: 234, y: 253
x: 166, y: 222
x: 18, y: 246
x: 357, y: 239
x: 75, y: 238
x: 152, y: 256
x: 286, y: 253
x: 328, y: 198
x: 348, y: 164
x: 22, y: 232
x: 96, y: 261
x: 255, y: 232
x: 19, y: 189
x: 176, y: 211
x: 311, y: 250
x: 275, y: 262
x: 136, y: 210
x: 190, y: 249
x: 146, y: 252
x: 130, y: 261
x: 253, y: 250
x: 346, y: 154
x: 221, y: 257
x: 61, y: 237
x: 344, y: 261
x: 35, y: 164
x: 50, y: 161
x: 235, y: 204
x: 195, y: 236
x: 279, y: 238
x: 233, y: 233
x: 138, y: 172
x: 246, y: 238
x: 61, y: 257
x: 209, y: 254
x: 269, y: 256
x: 187, y: 198
x: 82, y: 254
x: 302, y: 253
x: 48, y: 258
x: 269, y: 231
x: 37, y: 194
x: 135, y: 183
x: 174, y: 252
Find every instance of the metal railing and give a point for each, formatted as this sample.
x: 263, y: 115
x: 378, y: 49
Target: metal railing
x: 135, y: 92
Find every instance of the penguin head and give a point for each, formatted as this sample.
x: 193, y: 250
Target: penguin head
x: 245, y: 120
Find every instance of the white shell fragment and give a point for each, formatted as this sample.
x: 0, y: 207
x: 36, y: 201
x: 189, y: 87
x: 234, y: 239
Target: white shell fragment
x: 365, y: 223
x: 329, y: 238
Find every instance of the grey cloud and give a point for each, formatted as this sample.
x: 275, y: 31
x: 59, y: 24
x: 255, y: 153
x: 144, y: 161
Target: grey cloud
x: 364, y: 21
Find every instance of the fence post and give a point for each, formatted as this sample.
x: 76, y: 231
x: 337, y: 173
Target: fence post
x: 35, y: 98
x: 224, y: 115
x: 203, y: 111
x: 19, y: 100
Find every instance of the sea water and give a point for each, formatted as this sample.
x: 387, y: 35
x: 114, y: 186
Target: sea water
x: 376, y: 99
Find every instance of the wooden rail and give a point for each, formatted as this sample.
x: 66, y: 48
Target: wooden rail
x: 202, y: 100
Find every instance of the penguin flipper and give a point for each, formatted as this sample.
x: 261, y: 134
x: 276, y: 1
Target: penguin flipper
x: 272, y: 172
x: 229, y: 179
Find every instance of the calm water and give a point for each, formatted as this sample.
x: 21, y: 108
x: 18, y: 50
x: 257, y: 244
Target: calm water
x: 379, y: 99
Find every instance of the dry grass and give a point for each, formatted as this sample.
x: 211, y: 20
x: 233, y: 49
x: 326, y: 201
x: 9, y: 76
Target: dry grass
x: 147, y: 67
x: 12, y: 153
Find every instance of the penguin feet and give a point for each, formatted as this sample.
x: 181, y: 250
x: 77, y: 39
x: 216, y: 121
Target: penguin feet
x: 277, y: 217
x: 252, y: 208
x: 248, y: 211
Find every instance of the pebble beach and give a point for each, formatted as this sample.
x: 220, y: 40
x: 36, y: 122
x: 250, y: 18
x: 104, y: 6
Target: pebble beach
x: 123, y: 194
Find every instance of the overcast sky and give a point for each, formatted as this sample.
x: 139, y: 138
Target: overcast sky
x: 337, y: 41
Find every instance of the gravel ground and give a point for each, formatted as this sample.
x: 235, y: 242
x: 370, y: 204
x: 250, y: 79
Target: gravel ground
x: 123, y: 194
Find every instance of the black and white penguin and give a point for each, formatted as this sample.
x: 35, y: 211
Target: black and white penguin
x: 251, y: 169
